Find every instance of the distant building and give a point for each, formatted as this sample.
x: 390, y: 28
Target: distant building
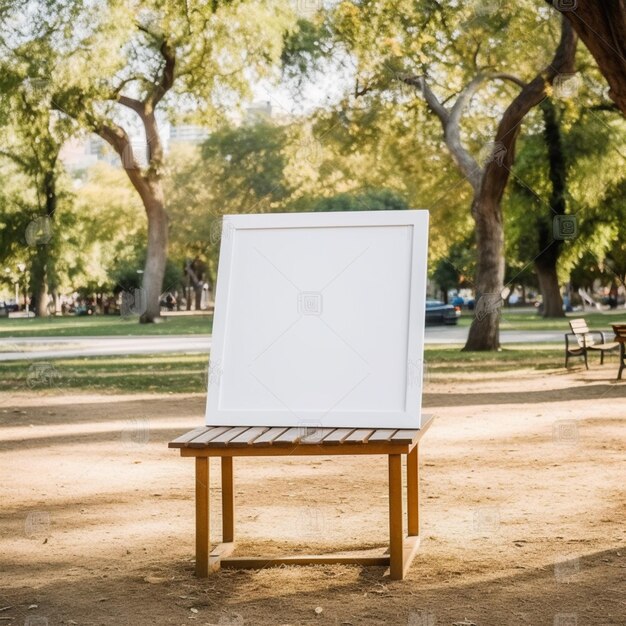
x: 76, y: 155
x: 81, y: 153
x: 260, y: 111
x: 188, y: 133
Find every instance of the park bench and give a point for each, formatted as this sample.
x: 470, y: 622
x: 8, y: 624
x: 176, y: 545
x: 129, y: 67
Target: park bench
x: 585, y: 341
x: 620, y: 337
x: 225, y: 442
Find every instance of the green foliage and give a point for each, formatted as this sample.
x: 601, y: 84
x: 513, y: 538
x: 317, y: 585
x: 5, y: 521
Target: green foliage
x: 366, y: 200
x: 250, y: 156
x: 126, y: 273
x: 305, y: 47
x: 455, y: 269
x: 594, y: 145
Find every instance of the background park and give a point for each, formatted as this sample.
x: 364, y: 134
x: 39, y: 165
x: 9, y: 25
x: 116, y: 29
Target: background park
x: 128, y: 129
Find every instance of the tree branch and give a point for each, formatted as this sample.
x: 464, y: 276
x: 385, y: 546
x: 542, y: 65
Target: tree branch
x: 135, y: 105
x: 531, y: 95
x: 431, y: 99
x: 15, y: 159
x: 166, y: 80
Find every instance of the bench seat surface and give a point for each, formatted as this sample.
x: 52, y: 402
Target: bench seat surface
x: 258, y: 436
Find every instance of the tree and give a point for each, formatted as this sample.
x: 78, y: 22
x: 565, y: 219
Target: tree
x: 152, y: 59
x: 602, y: 28
x: 236, y: 170
x: 423, y: 45
x: 32, y: 135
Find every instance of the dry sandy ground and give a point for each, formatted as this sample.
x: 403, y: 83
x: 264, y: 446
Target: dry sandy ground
x: 523, y: 505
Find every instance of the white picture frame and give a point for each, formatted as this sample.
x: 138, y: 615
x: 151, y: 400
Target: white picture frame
x: 319, y: 320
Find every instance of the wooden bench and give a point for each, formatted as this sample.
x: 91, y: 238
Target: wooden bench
x: 585, y: 341
x: 620, y: 337
x: 230, y: 442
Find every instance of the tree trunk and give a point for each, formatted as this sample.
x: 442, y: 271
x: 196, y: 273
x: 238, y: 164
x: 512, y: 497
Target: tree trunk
x: 547, y: 261
x: 484, y: 333
x: 39, y: 282
x: 156, y: 258
x: 40, y: 267
x: 487, y: 209
x: 602, y: 27
x: 150, y: 188
x: 550, y: 289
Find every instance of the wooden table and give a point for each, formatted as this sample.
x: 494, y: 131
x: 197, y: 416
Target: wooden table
x: 620, y: 336
x: 230, y: 442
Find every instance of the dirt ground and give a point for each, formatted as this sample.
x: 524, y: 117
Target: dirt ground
x: 523, y: 504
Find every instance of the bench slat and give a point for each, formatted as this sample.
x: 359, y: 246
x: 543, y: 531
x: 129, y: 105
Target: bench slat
x: 267, y: 438
x: 338, y: 435
x: 382, y: 434
x: 360, y: 435
x: 316, y: 436
x: 181, y: 441
x: 247, y: 438
x: 226, y: 437
x: 619, y: 330
x: 405, y: 435
x: 290, y: 436
x: 204, y: 439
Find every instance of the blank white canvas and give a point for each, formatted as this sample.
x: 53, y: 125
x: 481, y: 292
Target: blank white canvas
x: 319, y: 320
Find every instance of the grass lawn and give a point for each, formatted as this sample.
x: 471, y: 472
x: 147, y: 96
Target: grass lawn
x: 103, y: 325
x: 513, y: 320
x: 180, y: 373
x: 202, y: 325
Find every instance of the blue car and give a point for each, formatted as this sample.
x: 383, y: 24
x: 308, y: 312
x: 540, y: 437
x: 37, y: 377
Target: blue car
x: 439, y: 313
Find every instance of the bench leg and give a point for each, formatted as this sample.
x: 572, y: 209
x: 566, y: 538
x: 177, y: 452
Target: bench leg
x: 202, y: 516
x: 228, y: 500
x: 412, y: 486
x: 622, y: 350
x: 396, y: 564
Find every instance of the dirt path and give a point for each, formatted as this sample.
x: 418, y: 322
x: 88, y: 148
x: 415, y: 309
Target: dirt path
x: 523, y: 508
